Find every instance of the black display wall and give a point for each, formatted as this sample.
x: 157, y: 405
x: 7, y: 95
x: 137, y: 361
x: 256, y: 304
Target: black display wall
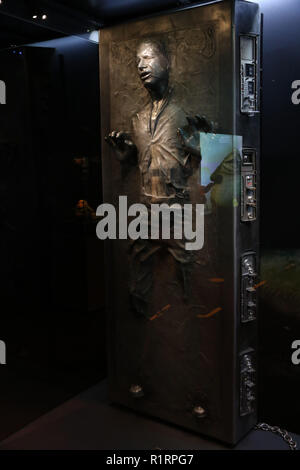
x: 280, y: 123
x: 280, y: 260
x: 51, y: 261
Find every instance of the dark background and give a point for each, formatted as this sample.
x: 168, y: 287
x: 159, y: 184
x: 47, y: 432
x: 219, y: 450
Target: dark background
x: 280, y: 125
x: 52, y: 297
x: 279, y: 323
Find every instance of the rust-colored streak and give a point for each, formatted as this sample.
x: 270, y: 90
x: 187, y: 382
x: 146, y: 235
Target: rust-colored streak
x: 153, y: 317
x: 165, y: 308
x: 210, y: 314
x: 217, y: 280
x: 160, y: 312
x: 260, y: 284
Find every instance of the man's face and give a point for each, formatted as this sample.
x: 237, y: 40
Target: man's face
x: 152, y: 65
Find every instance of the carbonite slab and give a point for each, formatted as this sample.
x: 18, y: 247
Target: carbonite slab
x: 173, y: 312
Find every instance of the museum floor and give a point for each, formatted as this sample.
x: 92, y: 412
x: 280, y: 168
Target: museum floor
x: 89, y: 422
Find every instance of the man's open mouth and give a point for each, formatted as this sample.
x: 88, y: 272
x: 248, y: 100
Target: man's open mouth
x: 145, y: 75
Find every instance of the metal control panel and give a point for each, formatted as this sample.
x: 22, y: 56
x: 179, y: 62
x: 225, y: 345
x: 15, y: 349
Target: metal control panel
x: 248, y: 189
x: 248, y: 289
x: 248, y: 57
x: 248, y: 67
x: 247, y: 382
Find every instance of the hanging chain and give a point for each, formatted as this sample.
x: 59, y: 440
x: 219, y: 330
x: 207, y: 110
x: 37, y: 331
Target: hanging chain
x: 275, y: 430
x: 280, y: 432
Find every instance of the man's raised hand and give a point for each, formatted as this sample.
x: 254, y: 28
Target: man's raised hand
x: 122, y: 144
x: 189, y: 135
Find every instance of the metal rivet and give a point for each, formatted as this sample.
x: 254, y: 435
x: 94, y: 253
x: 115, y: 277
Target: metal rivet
x: 199, y: 412
x: 136, y: 391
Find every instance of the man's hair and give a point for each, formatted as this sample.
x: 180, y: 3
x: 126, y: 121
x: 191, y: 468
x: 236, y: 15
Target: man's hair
x: 159, y: 44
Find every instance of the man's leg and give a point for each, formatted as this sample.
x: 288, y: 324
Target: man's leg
x: 141, y: 274
x: 185, y: 260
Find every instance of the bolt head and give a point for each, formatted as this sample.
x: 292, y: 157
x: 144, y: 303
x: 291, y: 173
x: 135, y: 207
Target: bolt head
x: 199, y: 411
x: 136, y: 391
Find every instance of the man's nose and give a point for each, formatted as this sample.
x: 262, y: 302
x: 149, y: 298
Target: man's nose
x: 141, y: 64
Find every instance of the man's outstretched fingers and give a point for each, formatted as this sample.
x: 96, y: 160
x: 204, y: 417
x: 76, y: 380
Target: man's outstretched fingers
x: 120, y: 135
x: 110, y: 140
x: 191, y: 121
x: 180, y: 134
x: 203, y: 123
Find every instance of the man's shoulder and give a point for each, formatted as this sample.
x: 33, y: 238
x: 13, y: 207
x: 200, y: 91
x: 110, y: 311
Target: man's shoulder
x: 175, y: 108
x: 173, y: 114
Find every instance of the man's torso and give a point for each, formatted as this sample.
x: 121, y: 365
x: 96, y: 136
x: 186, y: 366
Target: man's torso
x: 162, y: 160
